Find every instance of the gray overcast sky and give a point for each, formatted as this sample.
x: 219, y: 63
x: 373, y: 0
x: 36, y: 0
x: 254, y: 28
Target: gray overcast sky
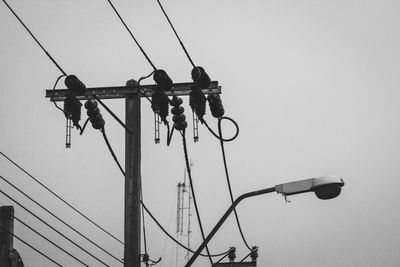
x: 314, y: 86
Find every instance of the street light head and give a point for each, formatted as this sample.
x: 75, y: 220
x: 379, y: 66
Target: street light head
x: 325, y: 187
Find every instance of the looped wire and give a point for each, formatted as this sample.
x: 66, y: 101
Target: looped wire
x: 219, y: 137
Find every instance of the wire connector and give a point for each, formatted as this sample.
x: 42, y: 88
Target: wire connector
x: 145, y: 258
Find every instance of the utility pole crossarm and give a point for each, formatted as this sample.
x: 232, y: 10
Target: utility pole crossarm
x: 235, y: 264
x: 121, y: 91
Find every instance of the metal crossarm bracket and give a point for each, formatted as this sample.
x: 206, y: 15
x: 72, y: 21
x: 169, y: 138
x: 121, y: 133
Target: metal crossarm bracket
x: 121, y: 91
x: 235, y: 264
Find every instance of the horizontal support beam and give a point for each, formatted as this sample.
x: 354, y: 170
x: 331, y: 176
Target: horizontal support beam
x: 235, y: 264
x: 178, y: 89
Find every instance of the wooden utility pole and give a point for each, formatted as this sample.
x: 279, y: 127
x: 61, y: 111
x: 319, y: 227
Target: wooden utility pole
x: 132, y: 95
x: 6, y: 238
x: 132, y: 181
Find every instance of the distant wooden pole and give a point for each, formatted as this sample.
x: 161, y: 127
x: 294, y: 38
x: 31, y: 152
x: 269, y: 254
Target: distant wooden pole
x: 6, y: 238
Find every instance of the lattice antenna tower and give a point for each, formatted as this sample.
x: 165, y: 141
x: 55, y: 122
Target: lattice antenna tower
x: 184, y: 213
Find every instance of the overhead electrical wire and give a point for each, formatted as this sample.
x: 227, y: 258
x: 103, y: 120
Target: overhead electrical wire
x: 222, y: 140
x: 112, y: 114
x: 172, y: 238
x: 131, y: 34
x: 176, y: 34
x: 143, y: 221
x: 112, y: 151
x: 60, y: 220
x: 228, y: 179
x: 151, y: 215
x: 226, y: 255
x: 51, y: 227
x: 48, y: 240
x: 252, y: 251
x: 138, y: 84
x: 32, y: 247
x: 60, y: 198
x: 146, y: 259
x: 193, y: 193
x: 33, y: 36
x: 163, y: 229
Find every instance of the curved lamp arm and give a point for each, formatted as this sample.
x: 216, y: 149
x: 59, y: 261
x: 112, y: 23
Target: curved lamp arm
x: 223, y: 219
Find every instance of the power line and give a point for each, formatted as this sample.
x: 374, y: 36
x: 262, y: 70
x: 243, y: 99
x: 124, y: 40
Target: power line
x: 156, y: 221
x: 23, y: 24
x: 141, y: 192
x: 193, y: 193
x: 147, y: 261
x: 143, y: 221
x: 172, y: 238
x: 32, y: 247
x: 112, y: 151
x: 222, y: 140
x: 176, y: 34
x: 112, y: 113
x: 51, y: 227
x: 228, y: 179
x: 133, y: 37
x: 48, y: 240
x: 60, y: 220
x: 60, y: 198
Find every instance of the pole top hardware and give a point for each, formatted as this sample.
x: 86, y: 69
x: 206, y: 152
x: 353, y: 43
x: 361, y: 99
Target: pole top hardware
x: 177, y: 89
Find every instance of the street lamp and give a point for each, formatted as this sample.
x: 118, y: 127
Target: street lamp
x: 325, y: 187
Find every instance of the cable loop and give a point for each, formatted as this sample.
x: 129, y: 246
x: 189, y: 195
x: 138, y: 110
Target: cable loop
x: 143, y: 93
x: 54, y: 88
x: 219, y: 137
